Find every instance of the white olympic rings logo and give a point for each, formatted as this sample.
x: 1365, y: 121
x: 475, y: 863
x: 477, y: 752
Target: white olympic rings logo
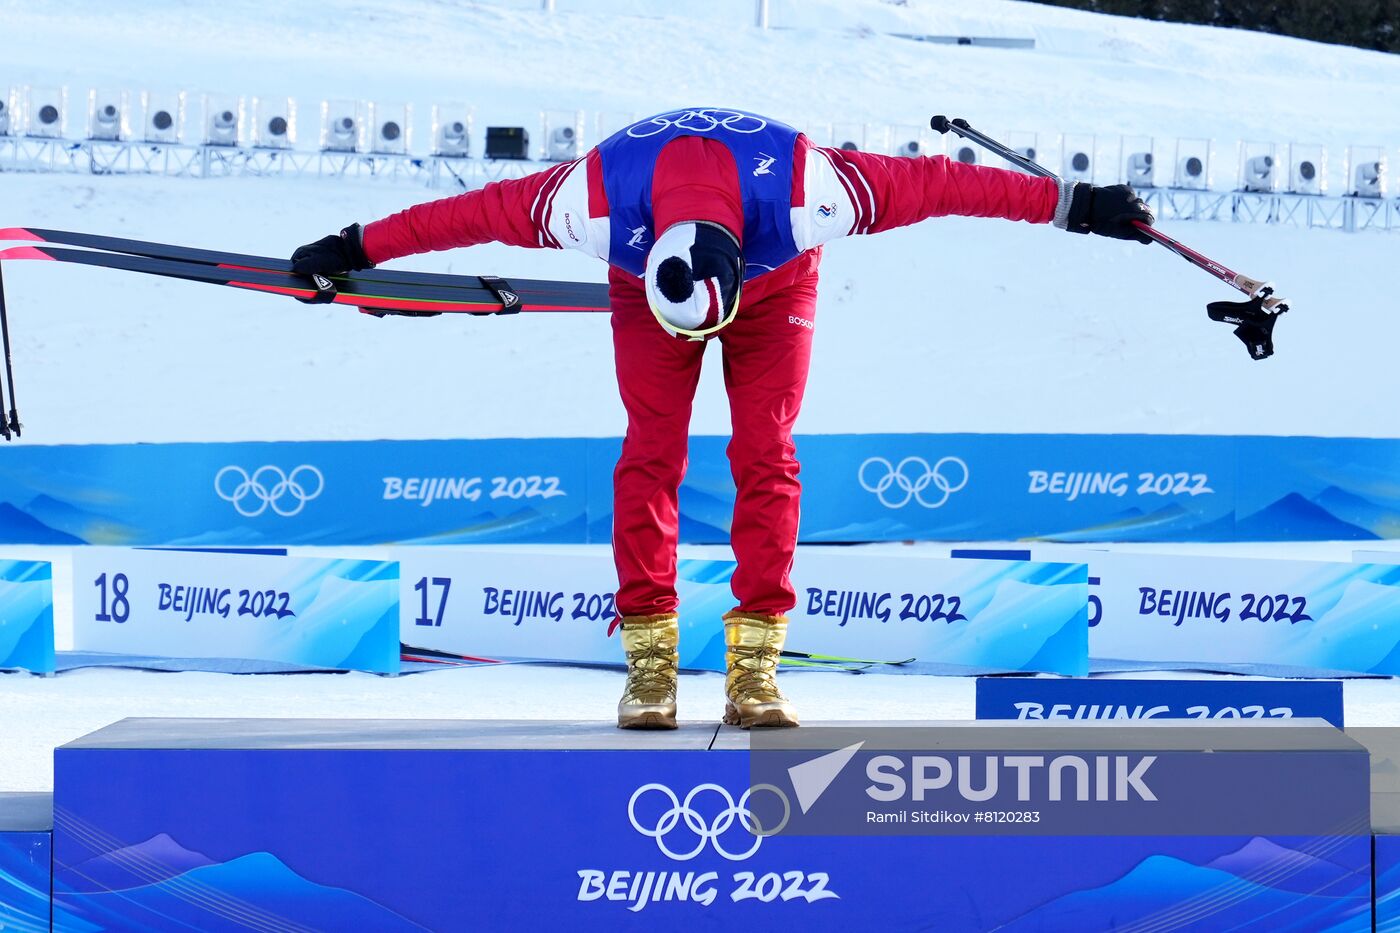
x: 268, y: 487
x: 681, y: 810
x: 912, y: 484
x: 698, y: 121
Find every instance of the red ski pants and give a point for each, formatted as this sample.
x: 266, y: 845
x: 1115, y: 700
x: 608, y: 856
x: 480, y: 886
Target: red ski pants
x: 766, y: 351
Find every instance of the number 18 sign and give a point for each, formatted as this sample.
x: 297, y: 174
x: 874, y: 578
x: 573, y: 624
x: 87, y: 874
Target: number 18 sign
x: 335, y: 614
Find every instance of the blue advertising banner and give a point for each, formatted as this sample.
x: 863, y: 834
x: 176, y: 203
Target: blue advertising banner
x: 1063, y: 487
x: 1052, y: 698
x: 1246, y: 615
x: 1067, y: 487
x: 1271, y: 617
x: 26, y: 616
x: 956, y: 487
x: 942, y: 615
x: 346, y: 492
x: 515, y: 825
x: 927, y: 614
x: 1317, y: 489
x: 543, y: 604
x: 305, y: 612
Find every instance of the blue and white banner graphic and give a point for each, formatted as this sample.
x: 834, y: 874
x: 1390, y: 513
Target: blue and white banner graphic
x: 1098, y: 487
x: 1091, y: 558
x: 305, y: 612
x: 538, y: 604
x: 874, y: 487
x: 1050, y: 698
x: 26, y: 616
x: 1006, y: 487
x: 26, y: 873
x: 936, y: 615
x: 948, y: 616
x: 1289, y: 618
x: 1247, y: 615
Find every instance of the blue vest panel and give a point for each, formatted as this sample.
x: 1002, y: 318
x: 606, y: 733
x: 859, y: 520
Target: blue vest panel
x: 762, y: 151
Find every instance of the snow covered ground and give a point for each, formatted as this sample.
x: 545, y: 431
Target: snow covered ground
x: 955, y: 325
x: 941, y: 327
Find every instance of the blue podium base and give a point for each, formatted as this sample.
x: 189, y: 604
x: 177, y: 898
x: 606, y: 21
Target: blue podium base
x: 26, y: 822
x: 478, y: 825
x: 1387, y: 883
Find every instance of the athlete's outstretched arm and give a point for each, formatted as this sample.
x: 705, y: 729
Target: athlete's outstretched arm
x: 544, y: 209
x: 513, y: 211
x: 848, y: 193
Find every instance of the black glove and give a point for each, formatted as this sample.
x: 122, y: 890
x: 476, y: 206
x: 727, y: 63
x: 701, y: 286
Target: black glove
x: 332, y: 255
x: 1109, y: 211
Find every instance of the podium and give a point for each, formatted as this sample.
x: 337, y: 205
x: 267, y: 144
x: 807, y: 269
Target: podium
x: 25, y: 857
x: 1384, y: 745
x: 232, y: 824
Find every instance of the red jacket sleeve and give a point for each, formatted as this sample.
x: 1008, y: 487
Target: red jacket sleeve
x: 891, y: 191
x: 509, y: 211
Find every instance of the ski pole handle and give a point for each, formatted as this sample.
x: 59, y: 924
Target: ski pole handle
x: 960, y: 127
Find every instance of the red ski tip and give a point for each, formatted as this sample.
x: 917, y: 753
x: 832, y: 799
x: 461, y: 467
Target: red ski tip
x: 24, y: 252
x: 19, y: 233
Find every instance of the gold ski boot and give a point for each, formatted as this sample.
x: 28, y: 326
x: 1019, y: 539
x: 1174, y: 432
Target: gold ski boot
x: 753, y: 645
x: 649, y: 699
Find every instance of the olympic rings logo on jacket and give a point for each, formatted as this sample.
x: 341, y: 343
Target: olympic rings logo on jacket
x: 698, y: 121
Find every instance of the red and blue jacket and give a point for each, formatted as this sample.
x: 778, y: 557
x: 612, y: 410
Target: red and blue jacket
x: 781, y: 195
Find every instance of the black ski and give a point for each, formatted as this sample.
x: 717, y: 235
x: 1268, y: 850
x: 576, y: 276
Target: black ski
x: 482, y: 298
x: 806, y: 659
x: 534, y: 294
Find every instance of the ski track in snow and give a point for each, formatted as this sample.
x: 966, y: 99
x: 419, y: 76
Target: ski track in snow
x: 954, y: 325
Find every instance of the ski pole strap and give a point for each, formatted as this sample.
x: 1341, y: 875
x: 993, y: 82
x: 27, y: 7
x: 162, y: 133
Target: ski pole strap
x: 501, y: 289
x: 1255, y: 326
x: 325, y: 291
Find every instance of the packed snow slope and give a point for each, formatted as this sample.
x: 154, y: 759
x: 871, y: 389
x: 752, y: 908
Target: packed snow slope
x: 954, y: 325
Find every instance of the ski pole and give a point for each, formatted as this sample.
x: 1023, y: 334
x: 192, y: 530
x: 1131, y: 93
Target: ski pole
x: 8, y: 423
x: 1249, y: 286
x: 1255, y: 317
